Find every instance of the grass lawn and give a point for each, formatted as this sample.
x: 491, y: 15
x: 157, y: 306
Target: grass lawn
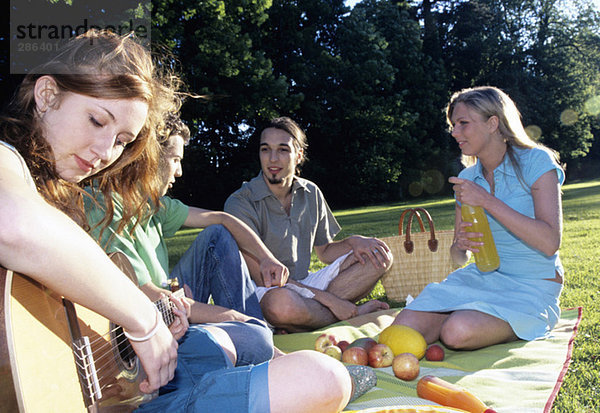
x: 580, y: 253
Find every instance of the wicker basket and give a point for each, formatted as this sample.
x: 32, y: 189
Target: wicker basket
x: 420, y: 258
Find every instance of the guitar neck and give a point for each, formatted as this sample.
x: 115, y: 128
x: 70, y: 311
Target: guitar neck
x: 165, y: 306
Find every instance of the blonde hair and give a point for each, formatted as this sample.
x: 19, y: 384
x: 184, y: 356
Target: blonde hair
x: 490, y: 101
x: 98, y: 64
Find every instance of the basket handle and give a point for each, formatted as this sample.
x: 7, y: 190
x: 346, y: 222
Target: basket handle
x: 412, y: 212
x: 432, y: 243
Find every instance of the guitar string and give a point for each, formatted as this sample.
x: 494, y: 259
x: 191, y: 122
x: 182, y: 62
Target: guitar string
x: 104, y: 355
x: 165, y: 312
x: 107, y: 368
x: 167, y: 316
x: 163, y: 305
x: 105, y: 363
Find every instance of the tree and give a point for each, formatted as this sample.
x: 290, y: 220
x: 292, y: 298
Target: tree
x: 564, y: 71
x: 421, y: 80
x: 354, y: 72
x: 214, y: 43
x: 538, y: 52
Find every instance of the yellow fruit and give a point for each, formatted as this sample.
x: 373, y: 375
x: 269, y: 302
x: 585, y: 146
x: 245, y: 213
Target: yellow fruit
x: 403, y: 339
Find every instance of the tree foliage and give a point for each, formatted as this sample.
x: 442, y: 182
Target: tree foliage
x: 369, y: 84
x: 214, y: 44
x: 541, y: 53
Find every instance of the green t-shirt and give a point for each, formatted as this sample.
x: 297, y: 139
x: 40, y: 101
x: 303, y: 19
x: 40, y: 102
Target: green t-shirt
x: 146, y: 247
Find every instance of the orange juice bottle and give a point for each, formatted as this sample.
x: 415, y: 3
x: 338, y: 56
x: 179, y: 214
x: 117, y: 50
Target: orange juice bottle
x: 487, y: 258
x: 449, y: 395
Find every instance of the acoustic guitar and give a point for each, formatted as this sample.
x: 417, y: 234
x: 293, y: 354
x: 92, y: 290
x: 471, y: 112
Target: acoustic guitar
x: 57, y: 356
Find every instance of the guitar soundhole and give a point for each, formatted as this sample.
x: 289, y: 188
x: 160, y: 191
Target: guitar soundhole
x: 124, y: 352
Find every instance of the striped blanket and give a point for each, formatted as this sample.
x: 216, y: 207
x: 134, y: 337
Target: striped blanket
x: 520, y: 376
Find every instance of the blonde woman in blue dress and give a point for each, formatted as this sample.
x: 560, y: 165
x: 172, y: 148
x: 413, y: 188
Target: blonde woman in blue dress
x: 517, y: 181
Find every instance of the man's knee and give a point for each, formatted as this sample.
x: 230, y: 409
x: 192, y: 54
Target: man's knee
x: 261, y: 332
x: 374, y: 272
x: 218, y: 242
x: 383, y: 269
x: 280, y: 307
x: 216, y: 232
x: 213, y: 248
x: 253, y: 342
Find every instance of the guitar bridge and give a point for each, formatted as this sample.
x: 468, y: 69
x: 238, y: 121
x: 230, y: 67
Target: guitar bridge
x: 88, y: 377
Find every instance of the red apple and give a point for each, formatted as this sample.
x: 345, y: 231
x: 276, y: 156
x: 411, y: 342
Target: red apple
x: 406, y: 366
x: 323, y: 341
x: 343, y: 345
x: 380, y: 355
x: 355, y: 355
x: 434, y: 353
x: 333, y: 351
x: 365, y: 342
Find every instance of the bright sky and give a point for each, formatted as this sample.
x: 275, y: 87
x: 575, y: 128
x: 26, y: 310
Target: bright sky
x: 351, y: 3
x: 597, y: 4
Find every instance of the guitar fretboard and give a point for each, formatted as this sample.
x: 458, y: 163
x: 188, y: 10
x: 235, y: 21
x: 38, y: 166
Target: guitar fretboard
x: 165, y: 306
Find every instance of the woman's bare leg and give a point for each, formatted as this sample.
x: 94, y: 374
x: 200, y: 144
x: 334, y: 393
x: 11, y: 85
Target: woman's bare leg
x: 470, y: 330
x: 427, y: 323
x: 308, y: 381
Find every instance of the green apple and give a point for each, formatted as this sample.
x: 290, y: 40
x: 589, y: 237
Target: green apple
x: 365, y: 342
x: 333, y: 351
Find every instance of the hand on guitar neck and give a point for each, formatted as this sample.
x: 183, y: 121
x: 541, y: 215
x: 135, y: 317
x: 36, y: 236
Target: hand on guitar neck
x: 171, y: 303
x: 175, y: 310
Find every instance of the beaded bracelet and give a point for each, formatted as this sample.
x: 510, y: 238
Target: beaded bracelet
x: 150, y: 334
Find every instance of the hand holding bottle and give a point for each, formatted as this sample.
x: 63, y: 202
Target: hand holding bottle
x: 480, y: 239
x: 469, y: 192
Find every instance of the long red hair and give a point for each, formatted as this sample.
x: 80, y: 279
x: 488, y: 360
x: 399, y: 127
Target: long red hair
x: 103, y: 65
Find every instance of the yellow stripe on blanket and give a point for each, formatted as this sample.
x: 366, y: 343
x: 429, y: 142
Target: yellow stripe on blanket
x: 410, y: 409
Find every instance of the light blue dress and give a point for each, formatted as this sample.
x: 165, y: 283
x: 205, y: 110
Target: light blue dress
x: 517, y: 292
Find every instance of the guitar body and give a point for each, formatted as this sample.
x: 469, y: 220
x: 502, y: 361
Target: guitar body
x: 59, y: 357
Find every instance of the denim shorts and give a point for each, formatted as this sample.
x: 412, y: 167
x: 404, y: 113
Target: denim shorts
x: 205, y: 381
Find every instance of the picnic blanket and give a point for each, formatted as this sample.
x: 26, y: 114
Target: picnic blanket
x: 522, y: 376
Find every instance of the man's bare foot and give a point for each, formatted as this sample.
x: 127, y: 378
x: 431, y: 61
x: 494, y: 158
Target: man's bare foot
x: 372, y: 306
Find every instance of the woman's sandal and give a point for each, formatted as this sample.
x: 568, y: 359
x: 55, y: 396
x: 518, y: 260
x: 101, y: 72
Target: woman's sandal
x: 363, y: 380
